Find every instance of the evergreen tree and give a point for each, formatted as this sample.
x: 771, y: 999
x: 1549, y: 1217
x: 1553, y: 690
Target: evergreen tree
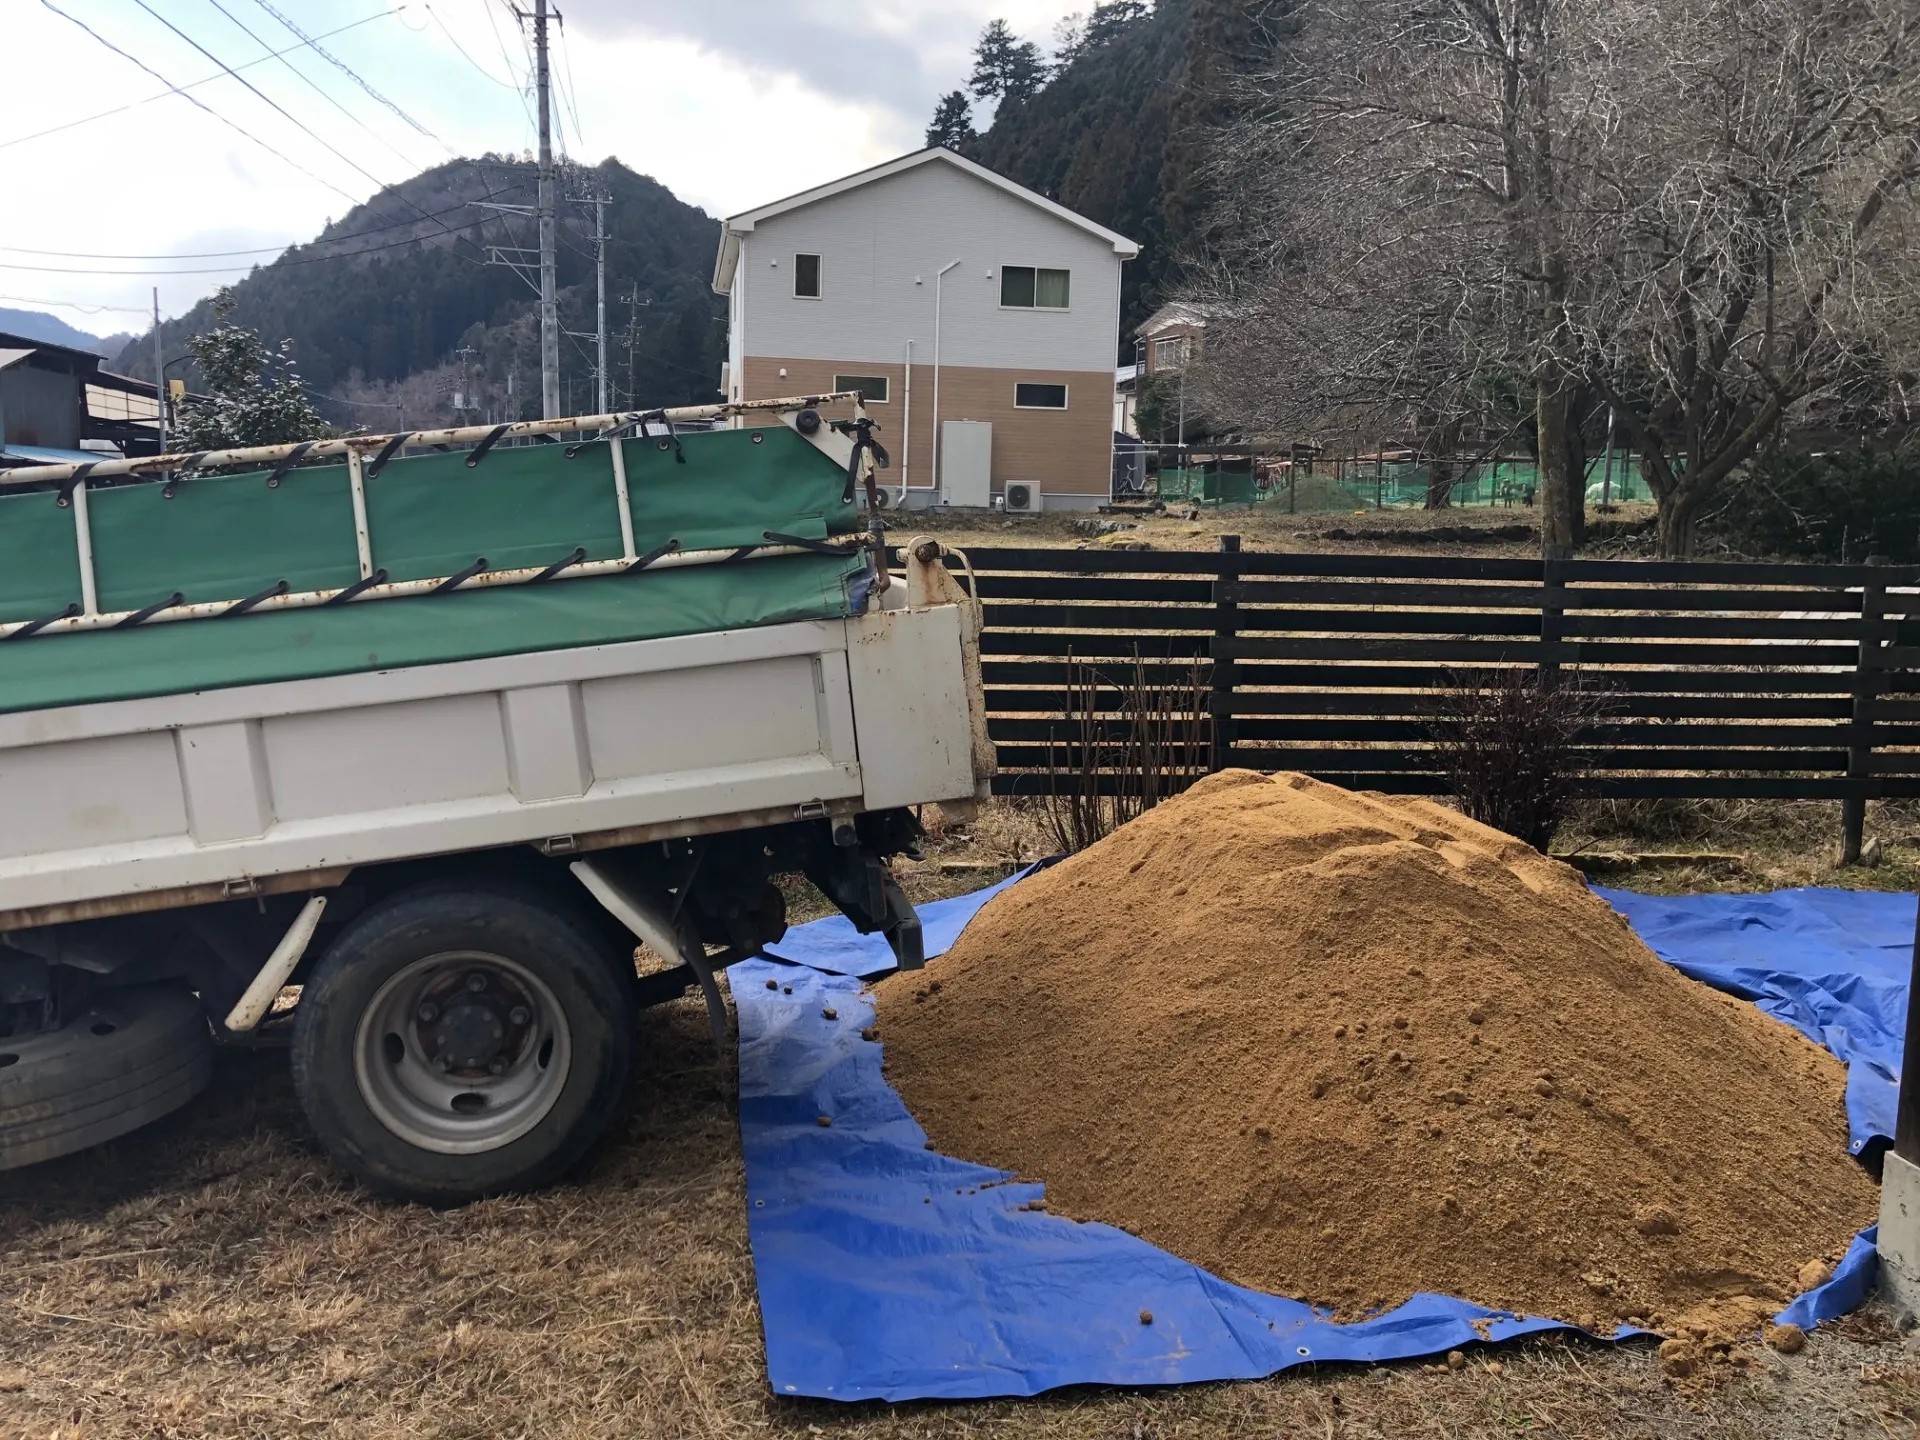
x: 1107, y: 21
x: 952, y: 122
x: 1005, y: 67
x: 253, y: 394
x: 1069, y: 41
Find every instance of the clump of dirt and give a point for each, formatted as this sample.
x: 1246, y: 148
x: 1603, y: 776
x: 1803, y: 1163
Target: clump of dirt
x: 1347, y: 1048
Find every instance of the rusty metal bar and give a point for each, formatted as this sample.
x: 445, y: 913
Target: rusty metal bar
x: 460, y: 435
x: 363, y: 593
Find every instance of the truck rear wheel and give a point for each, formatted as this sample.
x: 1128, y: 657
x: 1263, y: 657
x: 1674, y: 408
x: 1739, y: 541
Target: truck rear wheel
x: 456, y: 1043
x: 130, y: 1057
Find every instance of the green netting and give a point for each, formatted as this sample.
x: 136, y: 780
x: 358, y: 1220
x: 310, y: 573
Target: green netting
x: 301, y: 644
x: 228, y: 537
x: 1336, y: 486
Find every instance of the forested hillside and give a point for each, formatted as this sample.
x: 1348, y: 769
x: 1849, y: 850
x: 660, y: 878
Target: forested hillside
x: 1119, y: 132
x: 395, y: 308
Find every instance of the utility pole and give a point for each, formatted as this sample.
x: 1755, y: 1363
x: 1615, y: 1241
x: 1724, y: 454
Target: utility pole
x: 159, y: 376
x: 549, y: 301
x: 600, y: 268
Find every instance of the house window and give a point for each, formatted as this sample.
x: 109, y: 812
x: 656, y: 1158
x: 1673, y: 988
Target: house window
x: 1022, y: 287
x: 872, y: 388
x: 1028, y: 396
x: 806, y: 277
x: 1170, y: 354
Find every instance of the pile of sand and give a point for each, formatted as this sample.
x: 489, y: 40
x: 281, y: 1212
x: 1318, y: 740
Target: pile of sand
x: 1346, y: 1048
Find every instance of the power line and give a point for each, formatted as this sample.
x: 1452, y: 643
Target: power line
x: 378, y: 182
x: 349, y: 72
x: 75, y: 305
x: 195, y: 102
x: 262, y: 95
x: 313, y: 85
x: 566, y: 59
x: 268, y: 249
x: 192, y: 84
x: 229, y: 269
x: 520, y: 85
x: 455, y: 41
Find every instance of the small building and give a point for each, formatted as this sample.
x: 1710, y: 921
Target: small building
x: 57, y: 405
x: 979, y: 320
x: 1172, y: 337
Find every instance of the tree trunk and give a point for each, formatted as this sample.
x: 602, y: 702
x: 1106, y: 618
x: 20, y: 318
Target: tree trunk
x: 1550, y: 403
x: 1440, y: 483
x: 1674, y: 535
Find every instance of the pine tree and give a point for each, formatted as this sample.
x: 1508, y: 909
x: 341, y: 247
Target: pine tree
x: 1107, y: 21
x: 253, y: 394
x: 1005, y: 67
x: 952, y: 122
x: 1069, y: 40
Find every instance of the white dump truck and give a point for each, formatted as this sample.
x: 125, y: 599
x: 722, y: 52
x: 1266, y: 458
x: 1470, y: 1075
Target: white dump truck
x: 436, y: 727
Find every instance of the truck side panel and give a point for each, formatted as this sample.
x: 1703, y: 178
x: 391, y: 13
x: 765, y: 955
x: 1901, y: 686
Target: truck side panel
x: 228, y: 786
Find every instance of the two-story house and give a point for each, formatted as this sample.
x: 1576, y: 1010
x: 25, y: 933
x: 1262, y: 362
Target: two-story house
x: 980, y: 321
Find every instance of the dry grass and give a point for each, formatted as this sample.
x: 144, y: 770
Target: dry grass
x: 214, y: 1275
x: 1269, y: 527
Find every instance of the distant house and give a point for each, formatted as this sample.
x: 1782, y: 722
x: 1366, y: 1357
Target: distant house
x: 1173, y: 336
x: 980, y: 320
x: 57, y: 405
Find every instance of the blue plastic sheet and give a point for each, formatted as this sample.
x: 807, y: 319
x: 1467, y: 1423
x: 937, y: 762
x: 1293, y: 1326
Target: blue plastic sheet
x: 1834, y: 964
x: 887, y: 1271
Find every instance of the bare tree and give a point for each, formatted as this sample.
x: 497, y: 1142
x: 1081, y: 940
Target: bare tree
x: 1763, y: 250
x: 1699, y: 211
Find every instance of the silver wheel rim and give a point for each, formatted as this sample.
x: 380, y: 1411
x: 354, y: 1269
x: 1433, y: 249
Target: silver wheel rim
x: 462, y: 1052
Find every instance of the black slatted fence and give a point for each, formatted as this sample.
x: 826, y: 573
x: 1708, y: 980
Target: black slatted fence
x: 1712, y: 680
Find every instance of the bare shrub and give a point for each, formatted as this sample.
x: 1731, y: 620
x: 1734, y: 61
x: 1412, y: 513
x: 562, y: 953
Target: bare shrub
x: 1508, y: 742
x: 1130, y: 743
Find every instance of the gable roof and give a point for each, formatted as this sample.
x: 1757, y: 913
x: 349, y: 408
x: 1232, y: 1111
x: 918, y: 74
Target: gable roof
x: 736, y: 226
x: 1176, y: 314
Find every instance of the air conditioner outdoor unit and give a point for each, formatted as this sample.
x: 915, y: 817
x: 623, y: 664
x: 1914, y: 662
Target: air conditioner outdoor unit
x: 1023, y: 497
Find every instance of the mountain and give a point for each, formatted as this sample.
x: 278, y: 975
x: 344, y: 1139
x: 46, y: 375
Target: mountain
x: 400, y: 306
x: 1122, y: 132
x: 38, y: 325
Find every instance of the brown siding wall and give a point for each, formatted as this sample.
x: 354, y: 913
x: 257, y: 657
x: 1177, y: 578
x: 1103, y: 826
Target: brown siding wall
x: 1066, y: 452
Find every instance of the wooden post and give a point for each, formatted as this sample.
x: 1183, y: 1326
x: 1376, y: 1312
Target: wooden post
x: 1866, y: 690
x: 1226, y: 627
x: 1553, y: 600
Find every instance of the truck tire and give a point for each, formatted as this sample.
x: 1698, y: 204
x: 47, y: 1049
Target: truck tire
x: 131, y: 1057
x: 456, y: 1042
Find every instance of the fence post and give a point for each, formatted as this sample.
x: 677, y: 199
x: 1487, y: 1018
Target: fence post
x: 1553, y: 599
x: 1226, y: 628
x: 1866, y: 690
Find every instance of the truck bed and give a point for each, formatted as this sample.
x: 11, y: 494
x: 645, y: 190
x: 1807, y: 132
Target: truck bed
x: 140, y: 804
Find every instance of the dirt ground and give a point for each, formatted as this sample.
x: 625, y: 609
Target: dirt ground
x: 1623, y: 532
x: 215, y: 1275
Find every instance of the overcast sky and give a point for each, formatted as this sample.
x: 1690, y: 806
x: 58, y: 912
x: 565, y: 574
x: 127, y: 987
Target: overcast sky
x: 730, y: 103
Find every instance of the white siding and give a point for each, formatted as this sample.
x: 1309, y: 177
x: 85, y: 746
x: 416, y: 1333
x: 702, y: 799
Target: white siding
x: 877, y: 240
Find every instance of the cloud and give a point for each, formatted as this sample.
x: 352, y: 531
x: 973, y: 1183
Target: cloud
x: 897, y: 56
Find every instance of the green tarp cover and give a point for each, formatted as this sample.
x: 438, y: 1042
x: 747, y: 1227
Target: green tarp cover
x: 228, y: 537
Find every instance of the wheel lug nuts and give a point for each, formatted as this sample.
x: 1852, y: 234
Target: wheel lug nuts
x: 519, y: 1015
x: 428, y: 1013
x: 497, y: 1065
x: 476, y: 982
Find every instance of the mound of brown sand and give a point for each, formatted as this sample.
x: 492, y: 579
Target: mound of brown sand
x: 1346, y: 1048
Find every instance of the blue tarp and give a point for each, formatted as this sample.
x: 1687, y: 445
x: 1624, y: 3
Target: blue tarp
x: 887, y: 1271
x: 1834, y: 964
